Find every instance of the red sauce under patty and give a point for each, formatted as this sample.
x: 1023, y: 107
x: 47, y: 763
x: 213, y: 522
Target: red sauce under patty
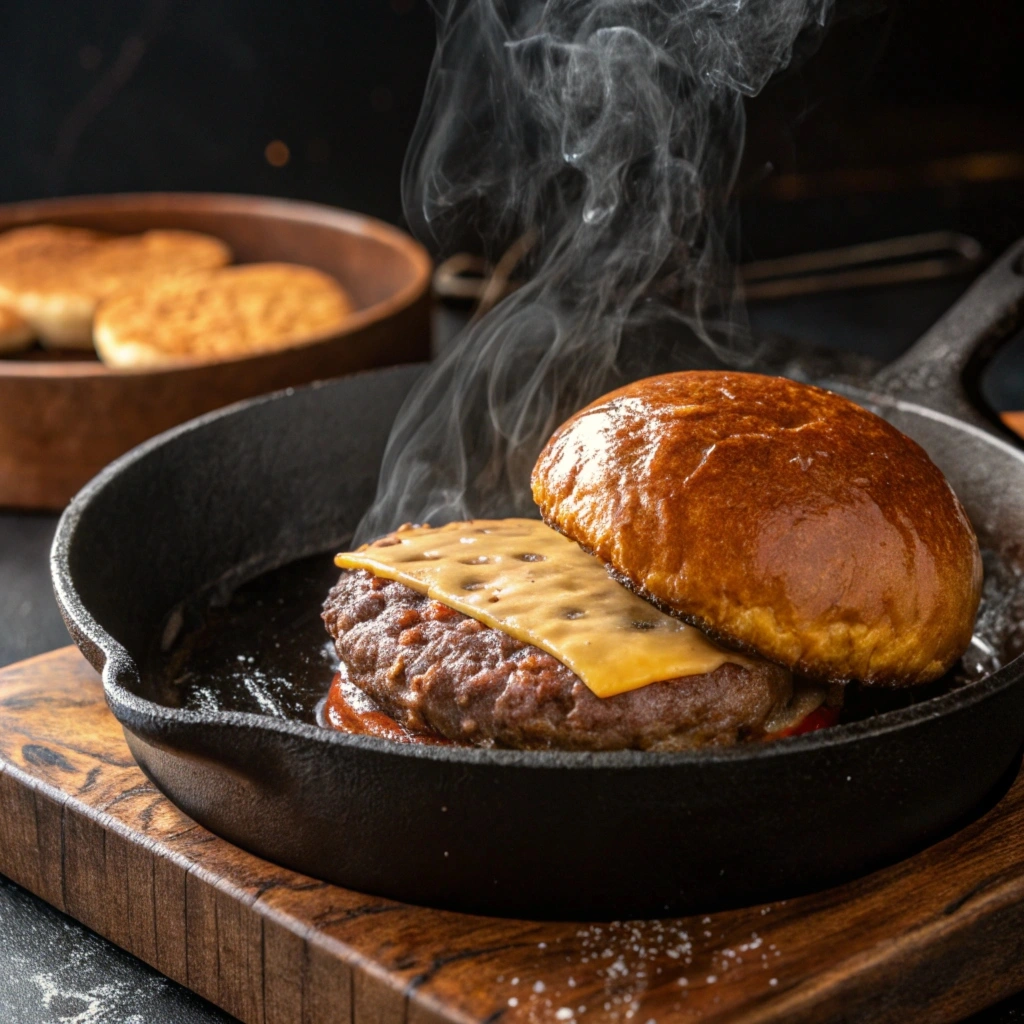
x: 340, y: 712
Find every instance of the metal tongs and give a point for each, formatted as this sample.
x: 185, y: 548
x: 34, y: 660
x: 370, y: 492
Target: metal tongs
x: 923, y: 257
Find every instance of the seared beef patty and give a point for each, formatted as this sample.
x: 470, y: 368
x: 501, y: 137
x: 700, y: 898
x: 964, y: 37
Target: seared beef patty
x: 433, y: 668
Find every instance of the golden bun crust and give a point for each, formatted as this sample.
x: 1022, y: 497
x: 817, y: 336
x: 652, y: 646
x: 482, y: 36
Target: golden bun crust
x: 779, y: 517
x: 219, y: 315
x: 15, y: 333
x: 54, y: 277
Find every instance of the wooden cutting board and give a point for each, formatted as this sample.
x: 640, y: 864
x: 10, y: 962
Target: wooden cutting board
x: 933, y: 938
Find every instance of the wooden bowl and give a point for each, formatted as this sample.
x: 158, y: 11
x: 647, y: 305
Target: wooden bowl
x: 63, y: 416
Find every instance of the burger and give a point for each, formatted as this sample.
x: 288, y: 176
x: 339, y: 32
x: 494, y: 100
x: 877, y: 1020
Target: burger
x: 717, y: 556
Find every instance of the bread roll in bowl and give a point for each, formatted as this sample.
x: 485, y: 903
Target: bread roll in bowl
x: 781, y: 518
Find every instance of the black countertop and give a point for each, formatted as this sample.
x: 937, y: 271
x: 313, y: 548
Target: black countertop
x: 55, y: 971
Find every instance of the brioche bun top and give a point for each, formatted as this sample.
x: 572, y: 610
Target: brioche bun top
x: 781, y: 518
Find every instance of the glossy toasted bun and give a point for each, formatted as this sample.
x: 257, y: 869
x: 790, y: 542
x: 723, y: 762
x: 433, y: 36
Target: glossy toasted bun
x: 256, y: 307
x: 778, y: 517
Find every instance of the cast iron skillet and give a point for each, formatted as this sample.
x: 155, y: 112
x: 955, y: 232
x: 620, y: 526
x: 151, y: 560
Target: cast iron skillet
x: 535, y: 834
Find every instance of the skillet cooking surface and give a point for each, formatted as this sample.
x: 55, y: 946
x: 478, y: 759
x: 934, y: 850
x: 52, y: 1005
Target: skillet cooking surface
x: 540, y: 834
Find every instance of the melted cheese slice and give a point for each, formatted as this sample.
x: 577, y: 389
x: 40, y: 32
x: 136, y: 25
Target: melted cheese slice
x: 520, y: 576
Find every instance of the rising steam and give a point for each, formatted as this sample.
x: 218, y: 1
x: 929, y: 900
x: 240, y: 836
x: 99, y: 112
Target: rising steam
x: 611, y: 130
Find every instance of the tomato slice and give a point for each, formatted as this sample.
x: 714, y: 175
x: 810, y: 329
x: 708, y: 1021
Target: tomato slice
x: 820, y: 718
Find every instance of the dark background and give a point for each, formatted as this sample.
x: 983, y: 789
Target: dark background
x: 908, y: 118
x: 157, y: 94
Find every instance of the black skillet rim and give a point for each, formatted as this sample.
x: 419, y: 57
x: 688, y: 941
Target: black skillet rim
x: 133, y: 711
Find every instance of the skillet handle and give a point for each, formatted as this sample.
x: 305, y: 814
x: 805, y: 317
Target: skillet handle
x: 937, y: 371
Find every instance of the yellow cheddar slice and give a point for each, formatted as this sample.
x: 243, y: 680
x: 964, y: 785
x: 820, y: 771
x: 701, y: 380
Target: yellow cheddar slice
x: 522, y: 577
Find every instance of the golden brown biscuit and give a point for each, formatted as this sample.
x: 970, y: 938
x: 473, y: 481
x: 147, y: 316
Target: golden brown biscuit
x: 33, y: 261
x: 777, y: 516
x: 15, y: 334
x: 219, y: 315
x: 55, y: 276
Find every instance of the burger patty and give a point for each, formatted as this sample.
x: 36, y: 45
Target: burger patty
x: 434, y: 669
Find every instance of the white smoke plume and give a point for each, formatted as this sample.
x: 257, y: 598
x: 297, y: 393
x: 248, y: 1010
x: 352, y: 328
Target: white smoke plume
x: 612, y: 129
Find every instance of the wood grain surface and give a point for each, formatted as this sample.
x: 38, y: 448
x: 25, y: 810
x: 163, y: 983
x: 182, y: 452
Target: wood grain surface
x: 933, y: 938
x: 63, y: 419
